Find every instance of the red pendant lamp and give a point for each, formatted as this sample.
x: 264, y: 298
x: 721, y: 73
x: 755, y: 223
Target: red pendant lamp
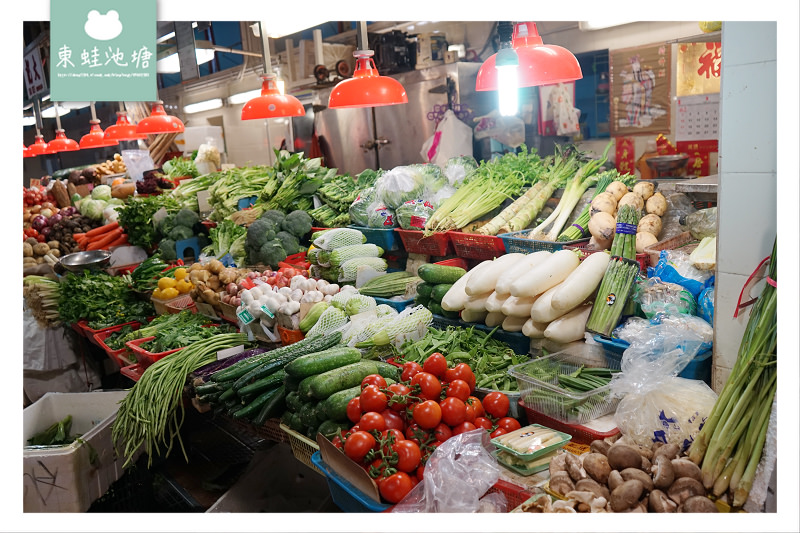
x: 159, y: 122
x: 123, y: 130
x: 26, y: 151
x: 539, y: 63
x: 367, y: 88
x: 271, y: 103
x: 39, y: 147
x: 96, y: 137
x: 62, y: 143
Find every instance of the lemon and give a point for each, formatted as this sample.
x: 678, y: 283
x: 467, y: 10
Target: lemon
x: 166, y: 283
x: 170, y: 293
x: 157, y: 294
x: 184, y: 286
x: 180, y: 273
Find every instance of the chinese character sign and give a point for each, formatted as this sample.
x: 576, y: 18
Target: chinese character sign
x: 103, y: 50
x: 34, y: 75
x: 640, y: 89
x: 698, y: 69
x: 625, y: 157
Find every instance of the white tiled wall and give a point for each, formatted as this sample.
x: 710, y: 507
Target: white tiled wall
x: 747, y: 197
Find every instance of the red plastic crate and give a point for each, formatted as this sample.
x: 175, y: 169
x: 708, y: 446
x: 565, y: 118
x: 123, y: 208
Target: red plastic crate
x: 290, y: 336
x: 474, y: 246
x: 580, y: 434
x: 176, y: 305
x: 144, y: 357
x: 133, y: 372
x: 90, y: 333
x: 415, y: 242
x: 643, y: 258
x: 118, y: 356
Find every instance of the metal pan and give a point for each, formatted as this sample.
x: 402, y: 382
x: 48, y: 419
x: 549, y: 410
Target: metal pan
x: 90, y: 260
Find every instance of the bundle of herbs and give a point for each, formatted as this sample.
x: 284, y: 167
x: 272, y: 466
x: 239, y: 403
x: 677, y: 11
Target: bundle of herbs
x: 101, y: 299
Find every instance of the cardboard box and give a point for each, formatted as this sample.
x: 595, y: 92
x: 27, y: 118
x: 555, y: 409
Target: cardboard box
x: 70, y: 478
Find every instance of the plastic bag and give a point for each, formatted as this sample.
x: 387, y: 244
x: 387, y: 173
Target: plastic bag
x: 655, y: 296
x: 457, y: 168
x: 679, y: 206
x: 399, y: 185
x: 656, y: 405
x: 702, y: 223
x: 507, y: 130
x: 674, y: 266
x: 705, y: 304
x: 380, y: 216
x: 637, y: 329
x: 452, y: 138
x: 414, y: 214
x: 457, y: 476
x: 358, y: 209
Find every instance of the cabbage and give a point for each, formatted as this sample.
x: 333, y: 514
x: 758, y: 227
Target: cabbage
x: 400, y: 185
x: 380, y: 216
x: 101, y: 192
x: 414, y: 214
x: 115, y: 201
x: 92, y: 208
x: 358, y: 209
x: 457, y: 168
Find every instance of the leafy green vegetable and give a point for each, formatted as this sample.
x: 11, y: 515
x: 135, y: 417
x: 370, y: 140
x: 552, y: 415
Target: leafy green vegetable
x: 55, y: 435
x: 223, y: 236
x: 178, y: 167
x: 103, y: 300
x: 136, y: 217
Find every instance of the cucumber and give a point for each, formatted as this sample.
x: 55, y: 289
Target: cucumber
x: 312, y: 316
x: 439, y: 291
x: 304, y: 389
x: 325, y: 384
x: 435, y: 308
x: 335, y: 405
x: 320, y: 412
x: 252, y: 408
x: 308, y: 414
x: 212, y: 387
x: 424, y: 290
x: 388, y: 371
x: 295, y: 424
x: 330, y: 428
x: 65, y: 172
x: 286, y: 418
x: 273, y: 407
x: 293, y: 402
x: 422, y: 301
x: 290, y: 383
x: 435, y: 274
x: 455, y: 315
x: 262, y: 371
x: 307, y: 345
x: 264, y: 384
x: 319, y: 362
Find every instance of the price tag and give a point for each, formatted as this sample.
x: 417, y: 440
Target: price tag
x: 245, y: 317
x: 224, y: 354
x: 158, y: 216
x: 202, y: 202
x: 36, y: 183
x: 266, y: 311
x: 576, y: 448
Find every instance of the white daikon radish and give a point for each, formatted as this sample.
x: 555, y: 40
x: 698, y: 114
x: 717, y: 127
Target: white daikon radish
x: 581, y: 283
x: 513, y: 323
x: 477, y: 302
x: 473, y: 316
x: 503, y: 285
x: 495, y: 302
x: 519, y: 307
x: 494, y: 319
x: 533, y: 330
x: 542, y: 309
x: 489, y: 276
x: 546, y: 275
x: 570, y: 327
x: 454, y: 298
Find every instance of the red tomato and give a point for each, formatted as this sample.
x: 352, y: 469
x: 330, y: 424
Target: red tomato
x: 420, y: 472
x: 397, y: 434
x: 435, y: 364
x: 41, y: 238
x: 453, y: 411
x: 463, y: 371
x: 509, y: 424
x: 409, y: 369
x: 372, y: 399
x: 497, y: 432
x: 469, y: 413
x: 395, y: 487
x: 496, y: 404
x: 430, y: 386
x: 374, y: 379
x: 377, y: 471
x: 477, y: 406
x: 358, y: 445
x: 442, y: 432
x: 408, y: 455
x: 337, y: 441
x: 393, y: 420
x: 396, y: 400
x: 462, y: 427
x: 428, y: 414
x: 372, y: 420
x: 354, y: 410
x: 411, y: 432
x: 459, y: 389
x: 354, y: 428
x: 483, y: 422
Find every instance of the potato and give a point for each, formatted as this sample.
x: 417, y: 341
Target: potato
x: 645, y: 189
x: 633, y: 199
x: 27, y: 250
x: 604, y: 202
x: 656, y: 204
x: 617, y: 189
x: 643, y: 240
x: 602, y: 226
x: 40, y: 249
x: 650, y: 223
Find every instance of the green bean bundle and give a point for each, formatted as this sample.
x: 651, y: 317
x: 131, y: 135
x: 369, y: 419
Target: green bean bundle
x: 152, y: 413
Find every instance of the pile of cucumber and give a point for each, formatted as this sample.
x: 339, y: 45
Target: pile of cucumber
x: 436, y: 281
x: 320, y: 385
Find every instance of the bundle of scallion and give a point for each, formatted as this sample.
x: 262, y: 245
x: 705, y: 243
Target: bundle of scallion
x: 41, y: 297
x: 729, y: 446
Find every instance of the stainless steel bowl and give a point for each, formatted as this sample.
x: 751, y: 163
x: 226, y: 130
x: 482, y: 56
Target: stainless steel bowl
x: 666, y: 166
x: 91, y: 260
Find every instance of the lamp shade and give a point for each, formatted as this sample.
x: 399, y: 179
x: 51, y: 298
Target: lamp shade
x: 26, y: 151
x: 159, y: 122
x: 62, y: 143
x: 39, y: 147
x: 123, y: 130
x: 367, y: 88
x: 96, y: 137
x: 539, y: 64
x: 272, y: 103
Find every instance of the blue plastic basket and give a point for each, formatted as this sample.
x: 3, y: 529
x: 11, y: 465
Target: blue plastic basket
x: 246, y: 202
x: 385, y: 238
x: 399, y: 305
x: 343, y: 493
x: 518, y: 242
x: 698, y: 368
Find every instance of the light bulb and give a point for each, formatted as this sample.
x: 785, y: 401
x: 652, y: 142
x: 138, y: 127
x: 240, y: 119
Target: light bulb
x: 507, y: 90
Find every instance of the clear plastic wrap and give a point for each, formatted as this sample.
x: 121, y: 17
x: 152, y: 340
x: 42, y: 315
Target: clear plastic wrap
x: 655, y: 296
x: 414, y: 214
x: 379, y: 215
x: 702, y: 223
x: 457, y: 168
x: 457, y: 477
x: 674, y: 266
x: 656, y: 405
x: 359, y: 214
x: 399, y: 185
x: 679, y: 206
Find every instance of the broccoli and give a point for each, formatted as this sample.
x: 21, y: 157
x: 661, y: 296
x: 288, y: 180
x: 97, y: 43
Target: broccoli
x: 270, y: 253
x: 186, y: 217
x: 259, y: 232
x: 179, y: 233
x: 298, y: 223
x: 290, y: 243
x: 166, y: 224
x: 167, y: 249
x: 274, y: 215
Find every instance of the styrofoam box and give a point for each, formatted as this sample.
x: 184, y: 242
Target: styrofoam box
x: 66, y: 479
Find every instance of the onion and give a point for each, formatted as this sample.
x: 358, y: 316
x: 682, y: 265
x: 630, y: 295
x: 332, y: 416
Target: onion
x: 53, y: 220
x: 45, y: 231
x: 45, y: 211
x: 232, y: 289
x: 68, y: 211
x: 38, y: 222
